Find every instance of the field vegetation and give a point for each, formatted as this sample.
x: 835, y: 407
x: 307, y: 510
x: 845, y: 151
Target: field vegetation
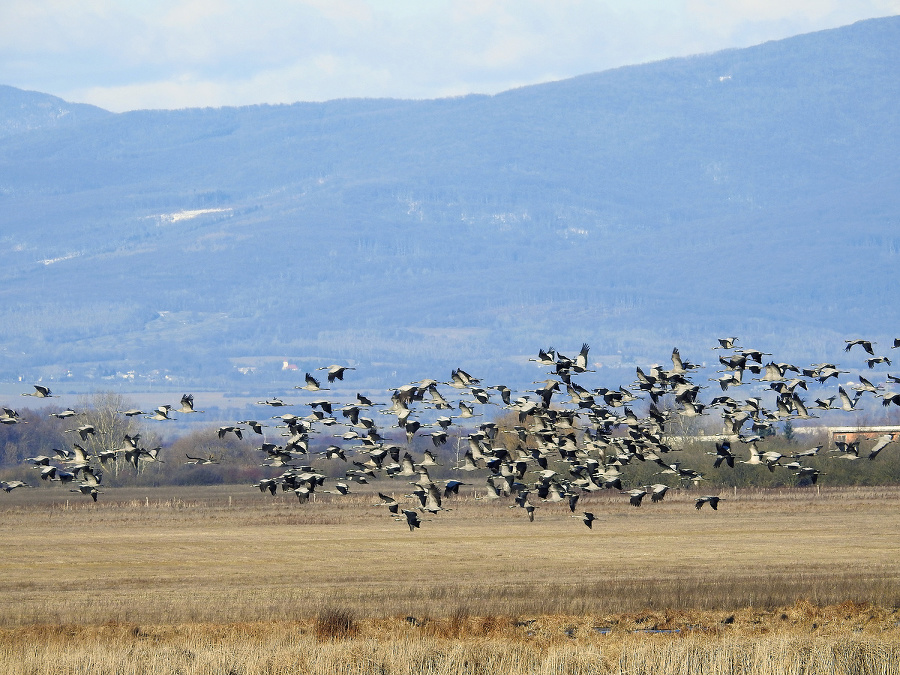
x: 218, y: 579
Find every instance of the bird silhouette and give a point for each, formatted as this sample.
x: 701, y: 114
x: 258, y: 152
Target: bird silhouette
x: 707, y: 499
x: 40, y: 391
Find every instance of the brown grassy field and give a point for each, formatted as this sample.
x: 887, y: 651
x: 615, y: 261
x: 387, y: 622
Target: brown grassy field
x: 226, y: 579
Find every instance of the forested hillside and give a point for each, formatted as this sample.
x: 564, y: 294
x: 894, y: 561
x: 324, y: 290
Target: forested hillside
x: 750, y: 192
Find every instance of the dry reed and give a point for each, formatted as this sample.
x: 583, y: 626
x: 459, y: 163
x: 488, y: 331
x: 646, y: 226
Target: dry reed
x: 752, y: 643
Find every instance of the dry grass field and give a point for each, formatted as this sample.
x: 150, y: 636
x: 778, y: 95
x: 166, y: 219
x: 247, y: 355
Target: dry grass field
x: 226, y: 579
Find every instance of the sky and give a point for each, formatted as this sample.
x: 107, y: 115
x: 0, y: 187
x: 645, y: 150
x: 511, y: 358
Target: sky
x: 137, y: 54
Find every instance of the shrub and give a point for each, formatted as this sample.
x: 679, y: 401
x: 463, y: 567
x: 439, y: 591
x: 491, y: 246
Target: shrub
x: 335, y: 624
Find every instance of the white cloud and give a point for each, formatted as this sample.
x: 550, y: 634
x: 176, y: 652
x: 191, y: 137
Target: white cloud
x: 125, y: 54
x: 746, y: 21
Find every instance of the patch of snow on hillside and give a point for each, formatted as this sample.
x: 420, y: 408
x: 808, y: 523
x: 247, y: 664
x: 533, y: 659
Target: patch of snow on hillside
x: 187, y: 215
x: 575, y: 232
x: 50, y: 261
x: 414, y: 208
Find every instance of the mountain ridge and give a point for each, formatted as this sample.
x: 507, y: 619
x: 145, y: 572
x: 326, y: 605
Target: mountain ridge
x: 23, y: 111
x: 646, y: 205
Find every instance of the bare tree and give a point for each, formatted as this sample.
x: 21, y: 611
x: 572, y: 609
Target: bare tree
x: 102, y: 411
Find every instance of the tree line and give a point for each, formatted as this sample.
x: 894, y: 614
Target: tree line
x: 236, y: 461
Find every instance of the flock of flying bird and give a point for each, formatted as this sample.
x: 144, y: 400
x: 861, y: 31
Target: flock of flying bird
x: 563, y: 448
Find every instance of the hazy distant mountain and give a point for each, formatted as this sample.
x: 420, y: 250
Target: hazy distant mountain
x: 751, y: 192
x: 22, y: 111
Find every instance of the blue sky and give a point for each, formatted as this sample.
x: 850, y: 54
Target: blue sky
x: 132, y: 54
